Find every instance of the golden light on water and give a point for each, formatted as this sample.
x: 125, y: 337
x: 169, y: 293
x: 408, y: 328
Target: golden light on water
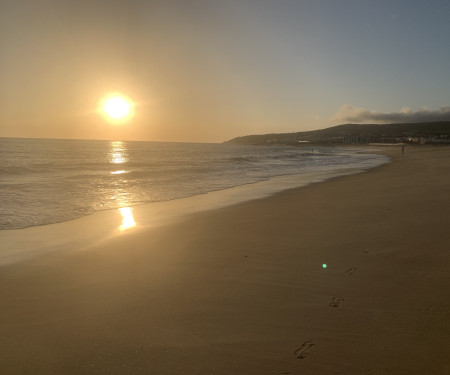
x: 119, y: 153
x: 117, y: 108
x: 127, y: 218
x: 118, y: 158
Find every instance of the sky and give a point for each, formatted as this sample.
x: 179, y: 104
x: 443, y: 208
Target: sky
x: 208, y: 71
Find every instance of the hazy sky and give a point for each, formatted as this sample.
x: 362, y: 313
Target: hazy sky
x: 208, y: 71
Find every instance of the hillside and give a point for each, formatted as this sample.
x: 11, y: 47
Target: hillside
x: 429, y: 132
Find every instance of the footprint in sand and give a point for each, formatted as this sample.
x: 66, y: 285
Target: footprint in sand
x: 335, y: 301
x: 303, y: 351
x: 351, y: 271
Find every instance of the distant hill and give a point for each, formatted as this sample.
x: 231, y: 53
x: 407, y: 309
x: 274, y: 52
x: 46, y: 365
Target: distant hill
x: 430, y: 132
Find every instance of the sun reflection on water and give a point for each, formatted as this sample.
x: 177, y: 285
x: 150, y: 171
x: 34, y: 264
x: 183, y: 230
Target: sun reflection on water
x: 119, y: 152
x: 127, y: 218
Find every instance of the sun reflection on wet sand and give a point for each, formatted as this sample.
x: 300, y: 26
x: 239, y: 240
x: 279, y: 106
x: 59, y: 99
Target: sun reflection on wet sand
x: 127, y: 218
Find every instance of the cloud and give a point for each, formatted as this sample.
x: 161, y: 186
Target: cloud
x: 349, y: 114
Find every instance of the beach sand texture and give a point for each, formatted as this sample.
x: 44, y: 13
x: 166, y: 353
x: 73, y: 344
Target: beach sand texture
x: 243, y: 290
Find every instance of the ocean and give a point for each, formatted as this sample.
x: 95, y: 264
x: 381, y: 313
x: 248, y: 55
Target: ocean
x: 47, y: 181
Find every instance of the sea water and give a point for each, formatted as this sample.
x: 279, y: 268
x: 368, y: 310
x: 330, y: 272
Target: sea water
x: 62, y: 195
x: 46, y: 181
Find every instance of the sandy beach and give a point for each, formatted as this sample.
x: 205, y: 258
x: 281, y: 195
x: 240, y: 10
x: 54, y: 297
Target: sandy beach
x: 243, y: 289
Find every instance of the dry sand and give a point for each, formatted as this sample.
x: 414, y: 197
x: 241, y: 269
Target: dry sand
x: 242, y: 290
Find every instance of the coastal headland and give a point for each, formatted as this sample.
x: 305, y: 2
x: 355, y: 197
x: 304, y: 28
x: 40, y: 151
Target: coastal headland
x: 437, y: 133
x: 348, y: 276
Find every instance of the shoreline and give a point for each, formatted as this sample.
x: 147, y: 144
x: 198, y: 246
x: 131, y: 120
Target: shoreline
x: 88, y: 188
x: 241, y: 289
x: 25, y: 243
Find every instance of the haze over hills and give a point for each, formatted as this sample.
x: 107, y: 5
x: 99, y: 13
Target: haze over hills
x: 426, y: 132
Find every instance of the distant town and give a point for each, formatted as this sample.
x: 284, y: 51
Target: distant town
x: 437, y: 133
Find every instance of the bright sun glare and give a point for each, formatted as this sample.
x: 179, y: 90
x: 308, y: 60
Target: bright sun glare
x: 117, y: 107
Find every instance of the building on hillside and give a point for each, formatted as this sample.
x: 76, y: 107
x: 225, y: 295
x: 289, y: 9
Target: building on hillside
x: 354, y: 139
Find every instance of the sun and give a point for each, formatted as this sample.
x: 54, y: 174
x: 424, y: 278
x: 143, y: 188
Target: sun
x: 117, y: 107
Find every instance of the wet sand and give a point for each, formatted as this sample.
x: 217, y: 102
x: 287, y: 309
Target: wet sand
x: 243, y: 290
